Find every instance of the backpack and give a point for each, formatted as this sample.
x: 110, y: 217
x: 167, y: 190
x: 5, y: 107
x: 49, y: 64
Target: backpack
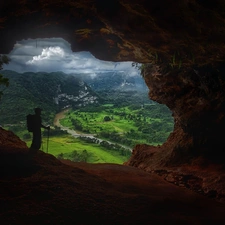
x: 30, y: 123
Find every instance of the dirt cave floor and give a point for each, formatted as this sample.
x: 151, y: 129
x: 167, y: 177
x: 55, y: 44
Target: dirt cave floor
x: 40, y: 189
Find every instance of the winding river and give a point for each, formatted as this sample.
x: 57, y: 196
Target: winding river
x: 74, y: 133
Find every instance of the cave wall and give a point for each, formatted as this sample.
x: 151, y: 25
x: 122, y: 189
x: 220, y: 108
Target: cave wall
x: 181, y: 42
x: 196, y: 98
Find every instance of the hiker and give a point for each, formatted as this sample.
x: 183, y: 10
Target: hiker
x: 36, y: 129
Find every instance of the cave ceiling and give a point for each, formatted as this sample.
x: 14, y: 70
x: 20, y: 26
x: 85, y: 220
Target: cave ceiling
x: 184, y: 32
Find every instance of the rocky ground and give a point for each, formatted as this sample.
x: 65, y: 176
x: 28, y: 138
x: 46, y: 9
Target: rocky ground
x: 39, y: 189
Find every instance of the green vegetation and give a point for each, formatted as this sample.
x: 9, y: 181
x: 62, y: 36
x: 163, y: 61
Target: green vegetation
x: 50, y: 91
x: 3, y: 81
x: 130, y: 125
x: 64, y: 146
x: 122, y: 116
x: 77, y: 150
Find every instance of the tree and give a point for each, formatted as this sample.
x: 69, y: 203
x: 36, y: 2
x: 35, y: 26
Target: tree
x: 107, y: 118
x: 75, y: 156
x: 3, y: 81
x: 60, y: 156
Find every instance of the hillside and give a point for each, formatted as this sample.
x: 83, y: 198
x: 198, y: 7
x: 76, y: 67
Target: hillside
x: 57, y: 90
x: 115, y: 80
x: 50, y: 91
x: 40, y: 189
x: 118, y: 87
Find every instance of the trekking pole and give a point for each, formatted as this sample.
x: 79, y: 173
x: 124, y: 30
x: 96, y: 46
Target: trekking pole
x: 48, y: 139
x: 42, y: 146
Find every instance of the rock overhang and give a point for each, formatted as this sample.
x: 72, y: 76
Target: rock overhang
x: 116, y: 30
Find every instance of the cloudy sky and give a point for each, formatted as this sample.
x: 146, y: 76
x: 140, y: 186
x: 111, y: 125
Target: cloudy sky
x: 55, y: 54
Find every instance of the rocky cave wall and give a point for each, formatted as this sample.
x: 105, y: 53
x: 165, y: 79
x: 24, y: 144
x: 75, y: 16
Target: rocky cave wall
x: 196, y: 99
x: 181, y: 42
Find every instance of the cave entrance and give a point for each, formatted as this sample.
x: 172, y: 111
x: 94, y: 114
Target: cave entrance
x: 100, y: 109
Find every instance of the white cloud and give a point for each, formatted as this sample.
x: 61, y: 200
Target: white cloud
x: 48, y: 54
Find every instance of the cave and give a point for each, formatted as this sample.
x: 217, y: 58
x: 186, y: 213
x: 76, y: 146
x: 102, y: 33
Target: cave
x: 182, y: 46
x: 184, y: 69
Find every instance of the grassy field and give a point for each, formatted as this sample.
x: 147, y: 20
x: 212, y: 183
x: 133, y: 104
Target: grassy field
x: 66, y: 145
x: 120, y: 125
x: 94, y: 121
x: 139, y: 125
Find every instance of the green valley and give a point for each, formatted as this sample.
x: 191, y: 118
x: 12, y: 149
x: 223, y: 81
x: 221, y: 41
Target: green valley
x: 130, y: 125
x: 105, y: 118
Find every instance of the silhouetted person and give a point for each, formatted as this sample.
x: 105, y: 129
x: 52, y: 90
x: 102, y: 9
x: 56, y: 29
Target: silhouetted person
x: 37, y: 125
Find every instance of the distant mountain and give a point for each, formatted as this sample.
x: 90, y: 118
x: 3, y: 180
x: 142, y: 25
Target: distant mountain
x: 50, y: 91
x: 119, y: 81
x: 118, y: 88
